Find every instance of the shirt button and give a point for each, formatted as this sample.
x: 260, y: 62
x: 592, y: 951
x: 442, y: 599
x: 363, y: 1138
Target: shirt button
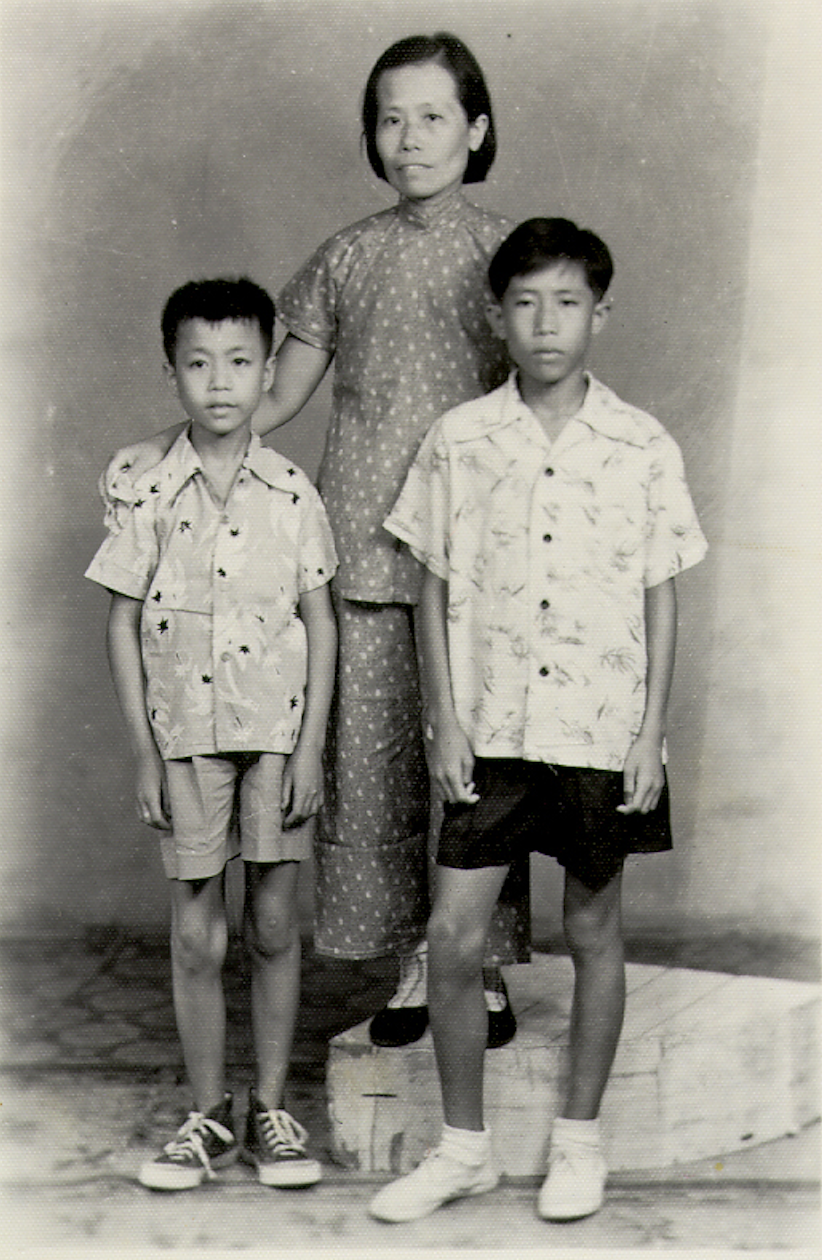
x: 544, y: 671
x: 549, y: 472
x: 543, y: 603
x: 226, y: 656
x: 546, y: 537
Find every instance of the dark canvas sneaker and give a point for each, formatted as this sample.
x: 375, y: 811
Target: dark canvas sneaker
x: 275, y: 1144
x: 202, y: 1144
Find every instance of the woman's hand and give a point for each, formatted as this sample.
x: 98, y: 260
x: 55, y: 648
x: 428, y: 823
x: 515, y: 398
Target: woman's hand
x: 130, y: 462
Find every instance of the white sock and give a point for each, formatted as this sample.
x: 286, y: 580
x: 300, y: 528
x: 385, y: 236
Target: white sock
x: 468, y: 1146
x: 412, y: 987
x: 578, y: 1132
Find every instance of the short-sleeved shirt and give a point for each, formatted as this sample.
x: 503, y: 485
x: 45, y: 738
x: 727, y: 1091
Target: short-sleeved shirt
x: 547, y: 549
x: 224, y: 649
x: 400, y: 299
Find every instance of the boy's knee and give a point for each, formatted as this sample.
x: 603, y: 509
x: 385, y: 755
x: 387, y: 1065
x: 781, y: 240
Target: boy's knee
x: 592, y: 928
x: 452, y: 946
x: 272, y: 931
x: 198, y: 946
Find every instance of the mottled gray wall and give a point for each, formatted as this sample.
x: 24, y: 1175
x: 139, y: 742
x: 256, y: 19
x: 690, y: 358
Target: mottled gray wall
x: 147, y: 143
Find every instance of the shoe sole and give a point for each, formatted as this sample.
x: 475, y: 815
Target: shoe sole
x: 285, y: 1174
x: 569, y: 1214
x: 160, y: 1177
x: 394, y: 1218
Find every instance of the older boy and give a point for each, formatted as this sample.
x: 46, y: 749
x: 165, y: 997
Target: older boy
x: 222, y: 645
x: 551, y: 518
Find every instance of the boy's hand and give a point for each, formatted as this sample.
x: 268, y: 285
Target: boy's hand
x: 451, y: 764
x: 152, y: 794
x: 302, y: 793
x: 643, y: 776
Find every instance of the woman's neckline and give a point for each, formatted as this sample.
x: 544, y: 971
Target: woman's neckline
x: 433, y: 210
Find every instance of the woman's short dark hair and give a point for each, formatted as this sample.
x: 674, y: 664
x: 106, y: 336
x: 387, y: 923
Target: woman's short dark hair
x: 451, y: 53
x: 539, y: 242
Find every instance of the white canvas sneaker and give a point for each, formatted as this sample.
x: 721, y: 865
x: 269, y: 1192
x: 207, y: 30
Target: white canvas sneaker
x: 575, y: 1185
x: 437, y: 1180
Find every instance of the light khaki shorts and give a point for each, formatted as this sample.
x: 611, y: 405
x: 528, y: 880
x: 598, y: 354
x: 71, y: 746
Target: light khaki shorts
x: 227, y: 806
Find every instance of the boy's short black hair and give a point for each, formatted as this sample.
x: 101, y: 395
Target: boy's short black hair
x: 538, y: 242
x: 451, y: 53
x: 215, y: 301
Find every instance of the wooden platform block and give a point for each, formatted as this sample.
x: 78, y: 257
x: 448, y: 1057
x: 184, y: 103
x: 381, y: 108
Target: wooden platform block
x: 708, y: 1063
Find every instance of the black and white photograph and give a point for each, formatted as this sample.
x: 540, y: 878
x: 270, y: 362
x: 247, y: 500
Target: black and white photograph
x: 411, y: 429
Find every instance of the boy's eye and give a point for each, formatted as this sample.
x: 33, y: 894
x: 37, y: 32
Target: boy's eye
x: 433, y: 117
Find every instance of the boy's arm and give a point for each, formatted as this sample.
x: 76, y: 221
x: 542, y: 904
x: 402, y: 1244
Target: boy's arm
x: 644, y: 774
x: 129, y: 683
x: 303, y: 778
x: 451, y: 758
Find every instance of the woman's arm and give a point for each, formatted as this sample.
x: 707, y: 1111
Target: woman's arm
x: 644, y: 772
x: 300, y: 368
x: 131, y: 461
x: 450, y: 756
x: 126, y: 663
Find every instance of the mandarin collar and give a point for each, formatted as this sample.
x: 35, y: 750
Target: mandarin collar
x: 444, y: 209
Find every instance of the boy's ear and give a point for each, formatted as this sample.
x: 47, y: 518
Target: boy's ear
x: 600, y: 317
x: 493, y: 313
x: 268, y: 372
x: 170, y: 374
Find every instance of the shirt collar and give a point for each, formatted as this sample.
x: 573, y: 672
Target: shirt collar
x: 602, y: 410
x: 442, y: 210
x: 182, y: 463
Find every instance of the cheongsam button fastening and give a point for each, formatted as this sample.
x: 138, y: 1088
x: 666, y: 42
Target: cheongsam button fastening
x: 544, y: 671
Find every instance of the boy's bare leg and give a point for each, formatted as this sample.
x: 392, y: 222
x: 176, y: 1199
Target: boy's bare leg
x: 273, y: 940
x: 457, y: 930
x: 593, y: 931
x: 199, y: 938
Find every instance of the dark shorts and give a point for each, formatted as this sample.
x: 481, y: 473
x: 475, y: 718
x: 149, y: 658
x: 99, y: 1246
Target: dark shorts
x: 564, y: 811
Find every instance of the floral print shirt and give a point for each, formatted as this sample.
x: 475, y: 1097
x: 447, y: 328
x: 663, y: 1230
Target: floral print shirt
x: 224, y: 649
x: 399, y: 298
x: 547, y: 550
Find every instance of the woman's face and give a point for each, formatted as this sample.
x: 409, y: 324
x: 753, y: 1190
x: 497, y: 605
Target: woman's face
x: 423, y: 135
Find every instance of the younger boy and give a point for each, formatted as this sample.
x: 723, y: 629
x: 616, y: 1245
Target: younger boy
x: 551, y: 518
x: 222, y: 645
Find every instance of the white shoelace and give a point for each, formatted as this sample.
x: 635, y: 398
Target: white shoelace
x: 189, y: 1140
x: 282, y: 1134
